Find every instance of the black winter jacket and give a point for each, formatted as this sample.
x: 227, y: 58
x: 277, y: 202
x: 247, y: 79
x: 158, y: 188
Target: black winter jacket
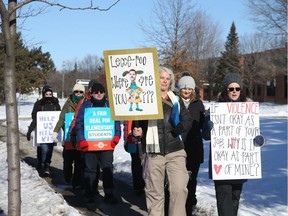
x: 193, y: 140
x: 167, y: 140
x: 44, y: 104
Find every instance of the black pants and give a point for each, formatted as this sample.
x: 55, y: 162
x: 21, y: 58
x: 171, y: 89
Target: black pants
x: 137, y: 175
x: 228, y: 197
x: 72, y: 166
x: 92, y: 160
x: 192, y: 183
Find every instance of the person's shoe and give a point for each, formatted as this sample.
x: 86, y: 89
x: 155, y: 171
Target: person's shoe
x: 46, y: 172
x: 110, y: 198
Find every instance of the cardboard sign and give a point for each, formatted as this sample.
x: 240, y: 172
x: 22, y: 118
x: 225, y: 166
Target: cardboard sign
x: 234, y: 155
x: 133, y: 84
x: 99, y: 128
x: 46, y: 122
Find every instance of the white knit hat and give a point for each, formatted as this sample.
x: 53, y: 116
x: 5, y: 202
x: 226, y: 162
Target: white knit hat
x: 186, y: 82
x: 78, y: 87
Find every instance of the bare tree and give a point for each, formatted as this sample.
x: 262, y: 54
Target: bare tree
x: 269, y: 16
x: 8, y: 11
x: 166, y: 30
x: 90, y: 65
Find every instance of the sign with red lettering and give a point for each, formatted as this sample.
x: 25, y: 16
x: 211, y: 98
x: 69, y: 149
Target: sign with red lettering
x: 133, y: 84
x: 233, y: 153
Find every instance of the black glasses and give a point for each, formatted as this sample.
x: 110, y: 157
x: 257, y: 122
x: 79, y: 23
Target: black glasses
x: 232, y: 89
x: 101, y: 92
x: 78, y: 92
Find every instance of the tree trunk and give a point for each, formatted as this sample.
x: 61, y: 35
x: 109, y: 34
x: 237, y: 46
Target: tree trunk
x: 9, y: 32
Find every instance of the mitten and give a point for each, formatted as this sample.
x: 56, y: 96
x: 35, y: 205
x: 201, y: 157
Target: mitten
x: 259, y: 140
x: 115, y: 141
x: 83, y: 145
x: 177, y: 130
x: 54, y: 137
x: 210, y: 125
x: 28, y: 135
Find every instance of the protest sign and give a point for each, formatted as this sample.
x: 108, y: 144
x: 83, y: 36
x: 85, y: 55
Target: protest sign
x: 133, y: 84
x: 99, y: 128
x: 67, y: 130
x: 233, y: 153
x: 46, y: 122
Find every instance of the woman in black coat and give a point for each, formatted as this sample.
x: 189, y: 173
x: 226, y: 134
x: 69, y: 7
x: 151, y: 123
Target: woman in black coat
x: 193, y: 139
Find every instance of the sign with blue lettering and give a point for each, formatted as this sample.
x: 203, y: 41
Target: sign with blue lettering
x: 46, y: 122
x: 99, y: 128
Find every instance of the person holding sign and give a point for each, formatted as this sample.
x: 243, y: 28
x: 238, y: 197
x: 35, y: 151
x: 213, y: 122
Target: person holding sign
x: 44, y: 151
x: 70, y: 154
x: 90, y: 124
x: 228, y: 191
x: 164, y: 154
x: 193, y: 140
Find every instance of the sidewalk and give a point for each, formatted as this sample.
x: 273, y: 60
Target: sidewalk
x: 128, y: 202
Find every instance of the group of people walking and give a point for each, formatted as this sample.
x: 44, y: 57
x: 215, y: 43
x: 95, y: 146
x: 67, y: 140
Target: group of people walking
x: 168, y: 153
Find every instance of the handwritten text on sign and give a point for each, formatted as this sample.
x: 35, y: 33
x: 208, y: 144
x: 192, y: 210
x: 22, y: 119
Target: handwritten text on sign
x: 46, y: 121
x: 234, y: 155
x: 132, y: 78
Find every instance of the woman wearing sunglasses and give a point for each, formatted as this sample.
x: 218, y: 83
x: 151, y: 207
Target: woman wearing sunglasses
x: 228, y: 192
x: 71, y: 156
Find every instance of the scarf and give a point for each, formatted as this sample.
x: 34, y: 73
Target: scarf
x: 152, y: 138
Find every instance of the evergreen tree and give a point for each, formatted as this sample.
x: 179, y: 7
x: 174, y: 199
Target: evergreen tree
x: 32, y: 67
x: 230, y: 58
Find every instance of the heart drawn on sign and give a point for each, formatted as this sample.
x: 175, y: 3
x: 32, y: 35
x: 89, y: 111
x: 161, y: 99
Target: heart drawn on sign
x: 217, y: 168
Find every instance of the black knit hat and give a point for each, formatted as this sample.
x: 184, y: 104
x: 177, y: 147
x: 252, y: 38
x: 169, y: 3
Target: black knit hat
x: 45, y: 89
x: 97, y: 87
x: 91, y: 82
x: 232, y: 78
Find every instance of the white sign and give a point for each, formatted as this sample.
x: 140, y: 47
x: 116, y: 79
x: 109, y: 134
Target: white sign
x: 46, y: 122
x: 233, y: 153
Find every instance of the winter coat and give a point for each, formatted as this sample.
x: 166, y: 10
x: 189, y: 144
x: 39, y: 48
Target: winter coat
x: 44, y: 104
x: 79, y: 124
x: 68, y: 107
x: 193, y: 140
x: 167, y: 141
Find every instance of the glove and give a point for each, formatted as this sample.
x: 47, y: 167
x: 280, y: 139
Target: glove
x: 177, y: 129
x: 259, y: 140
x: 28, y: 135
x: 54, y: 137
x: 83, y: 145
x: 210, y: 125
x: 115, y: 141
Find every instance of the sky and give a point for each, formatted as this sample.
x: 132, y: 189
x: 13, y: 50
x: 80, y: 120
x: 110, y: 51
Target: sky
x: 71, y: 35
x: 266, y: 196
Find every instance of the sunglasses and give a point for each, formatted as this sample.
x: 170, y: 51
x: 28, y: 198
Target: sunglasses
x: 81, y: 92
x: 232, y: 89
x: 101, y: 92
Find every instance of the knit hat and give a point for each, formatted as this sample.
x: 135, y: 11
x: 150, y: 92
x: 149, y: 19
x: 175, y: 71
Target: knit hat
x: 45, y: 89
x: 91, y: 82
x: 78, y: 87
x: 97, y: 87
x: 232, y: 78
x: 186, y: 82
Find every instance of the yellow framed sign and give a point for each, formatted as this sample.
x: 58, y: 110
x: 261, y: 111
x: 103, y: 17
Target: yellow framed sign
x: 133, y: 84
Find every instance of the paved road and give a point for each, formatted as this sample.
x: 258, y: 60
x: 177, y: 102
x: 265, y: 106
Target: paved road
x: 129, y: 204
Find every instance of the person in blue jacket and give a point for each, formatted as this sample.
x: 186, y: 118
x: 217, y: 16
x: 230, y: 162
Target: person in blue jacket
x: 92, y: 158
